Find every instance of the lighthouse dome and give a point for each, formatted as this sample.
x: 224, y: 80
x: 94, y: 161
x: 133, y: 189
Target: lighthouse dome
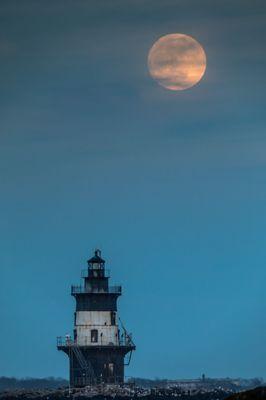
x: 96, y: 259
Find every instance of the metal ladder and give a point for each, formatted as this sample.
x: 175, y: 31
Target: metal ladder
x: 84, y: 364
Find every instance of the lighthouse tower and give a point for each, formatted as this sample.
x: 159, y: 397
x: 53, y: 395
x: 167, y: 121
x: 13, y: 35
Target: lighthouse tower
x: 100, y: 342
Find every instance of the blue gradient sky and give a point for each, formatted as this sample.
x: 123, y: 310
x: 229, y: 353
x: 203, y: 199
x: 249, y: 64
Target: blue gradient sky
x: 171, y: 185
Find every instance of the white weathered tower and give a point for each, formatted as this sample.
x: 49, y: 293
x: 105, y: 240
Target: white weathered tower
x: 95, y: 324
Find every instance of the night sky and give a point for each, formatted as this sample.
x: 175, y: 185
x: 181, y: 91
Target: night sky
x: 170, y: 185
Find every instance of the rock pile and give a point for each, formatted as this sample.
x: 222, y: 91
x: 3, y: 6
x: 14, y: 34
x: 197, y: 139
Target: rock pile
x: 117, y: 392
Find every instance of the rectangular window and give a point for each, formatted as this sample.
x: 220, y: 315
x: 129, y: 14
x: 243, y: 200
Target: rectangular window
x: 94, y: 336
x: 108, y: 369
x: 113, y: 318
x: 111, y: 369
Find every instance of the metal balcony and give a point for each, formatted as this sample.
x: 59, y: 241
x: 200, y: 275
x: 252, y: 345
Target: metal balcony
x: 125, y: 340
x: 82, y: 289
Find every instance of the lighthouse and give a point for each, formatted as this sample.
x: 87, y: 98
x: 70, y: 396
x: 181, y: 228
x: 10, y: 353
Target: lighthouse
x: 100, y: 346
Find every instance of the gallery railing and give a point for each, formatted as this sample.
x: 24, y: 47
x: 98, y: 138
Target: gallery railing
x: 82, y: 289
x: 67, y: 341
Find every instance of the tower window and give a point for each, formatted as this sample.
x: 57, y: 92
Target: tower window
x: 111, y: 369
x: 94, y: 336
x: 112, y: 318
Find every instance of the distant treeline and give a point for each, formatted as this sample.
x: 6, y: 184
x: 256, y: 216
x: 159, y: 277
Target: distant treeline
x: 148, y: 383
x: 55, y: 383
x: 228, y: 383
x: 32, y: 383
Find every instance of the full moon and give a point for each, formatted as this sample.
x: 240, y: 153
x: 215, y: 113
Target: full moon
x: 177, y: 61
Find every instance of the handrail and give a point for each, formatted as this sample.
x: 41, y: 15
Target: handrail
x: 82, y: 289
x: 67, y: 341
